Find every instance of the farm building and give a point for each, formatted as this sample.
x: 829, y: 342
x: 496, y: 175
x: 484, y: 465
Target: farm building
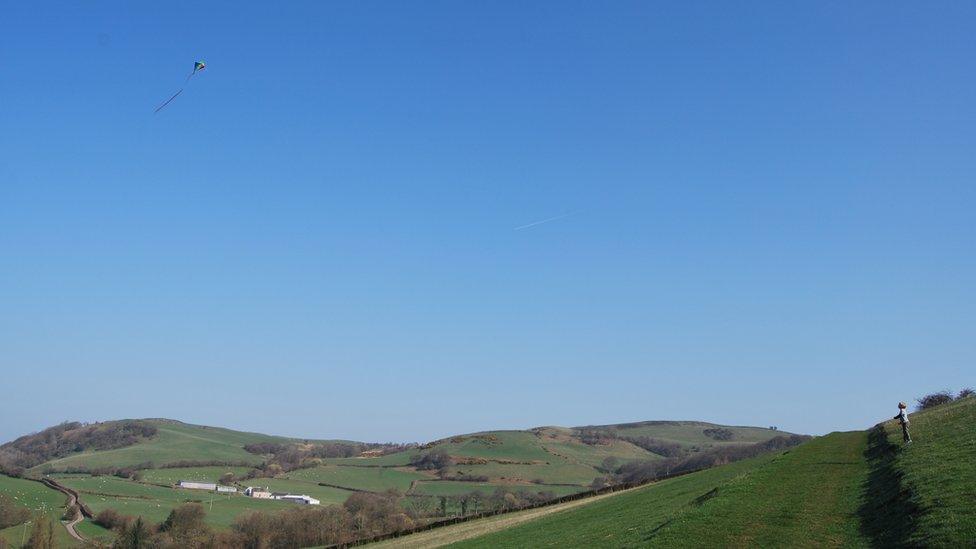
x: 302, y: 499
x: 226, y: 489
x: 193, y: 485
x: 253, y: 492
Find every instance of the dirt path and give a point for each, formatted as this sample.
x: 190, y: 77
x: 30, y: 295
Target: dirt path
x: 70, y: 526
x: 72, y: 501
x: 439, y: 537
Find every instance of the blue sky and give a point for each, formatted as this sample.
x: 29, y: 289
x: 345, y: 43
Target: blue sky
x: 768, y: 213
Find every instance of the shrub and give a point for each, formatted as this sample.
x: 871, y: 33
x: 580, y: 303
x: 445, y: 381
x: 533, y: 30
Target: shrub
x: 719, y: 434
x: 596, y: 437
x: 933, y: 399
x: 112, y: 519
x: 430, y: 461
x: 71, y: 512
x: 967, y: 392
x: 657, y: 446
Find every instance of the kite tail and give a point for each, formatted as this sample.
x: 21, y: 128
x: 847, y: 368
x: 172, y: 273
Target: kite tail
x: 159, y: 108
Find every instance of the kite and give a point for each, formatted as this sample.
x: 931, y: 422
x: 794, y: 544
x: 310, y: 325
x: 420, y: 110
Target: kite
x: 197, y: 67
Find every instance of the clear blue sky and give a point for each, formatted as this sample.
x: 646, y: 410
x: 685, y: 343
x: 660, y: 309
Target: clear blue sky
x: 772, y: 213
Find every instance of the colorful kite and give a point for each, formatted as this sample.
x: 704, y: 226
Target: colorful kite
x: 197, y: 67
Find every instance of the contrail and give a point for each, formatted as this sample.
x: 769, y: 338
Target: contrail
x: 534, y: 223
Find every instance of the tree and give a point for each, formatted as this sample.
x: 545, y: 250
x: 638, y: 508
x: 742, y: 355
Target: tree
x: 135, y: 535
x: 185, y: 523
x: 42, y: 534
x: 967, y: 392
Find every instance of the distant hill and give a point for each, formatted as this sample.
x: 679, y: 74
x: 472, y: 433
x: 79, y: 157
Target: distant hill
x: 853, y: 489
x: 132, y: 466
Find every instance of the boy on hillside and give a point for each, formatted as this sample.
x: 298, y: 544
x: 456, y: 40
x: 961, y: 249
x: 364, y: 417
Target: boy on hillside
x: 902, y: 418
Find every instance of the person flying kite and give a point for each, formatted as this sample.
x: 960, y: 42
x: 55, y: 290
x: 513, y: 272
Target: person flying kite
x: 197, y: 67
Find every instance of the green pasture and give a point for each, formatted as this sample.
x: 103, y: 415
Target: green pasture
x: 39, y: 499
x: 559, y: 472
x: 593, y: 455
x: 201, y: 474
x: 373, y: 479
x: 457, y: 488
x: 691, y: 433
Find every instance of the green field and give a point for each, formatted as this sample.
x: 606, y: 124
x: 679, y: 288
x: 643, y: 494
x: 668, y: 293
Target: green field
x: 593, y: 456
x: 457, y: 488
x: 398, y: 459
x: 374, y: 479
x: 509, y: 445
x: 155, y: 502
x: 556, y: 473
x: 174, y: 476
x: 856, y: 489
x: 38, y: 499
x: 692, y: 433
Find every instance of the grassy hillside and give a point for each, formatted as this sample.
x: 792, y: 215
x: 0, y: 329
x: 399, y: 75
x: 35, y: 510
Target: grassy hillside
x: 551, y: 460
x: 174, y: 442
x: 845, y: 489
x: 924, y: 494
x: 755, y: 501
x: 689, y: 433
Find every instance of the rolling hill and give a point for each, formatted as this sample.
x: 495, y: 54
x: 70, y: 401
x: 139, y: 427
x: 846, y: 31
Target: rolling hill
x: 851, y: 489
x: 138, y: 476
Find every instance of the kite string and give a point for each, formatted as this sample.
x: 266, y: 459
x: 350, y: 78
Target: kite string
x: 185, y: 82
x: 159, y: 108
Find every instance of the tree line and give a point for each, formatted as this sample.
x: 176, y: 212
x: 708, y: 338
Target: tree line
x: 643, y: 471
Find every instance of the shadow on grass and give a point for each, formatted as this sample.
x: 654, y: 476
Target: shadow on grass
x: 888, y: 512
x: 698, y: 502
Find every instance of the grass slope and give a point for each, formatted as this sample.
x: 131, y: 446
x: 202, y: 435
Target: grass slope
x: 175, y: 441
x: 924, y: 494
x: 854, y: 489
x: 690, y: 433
